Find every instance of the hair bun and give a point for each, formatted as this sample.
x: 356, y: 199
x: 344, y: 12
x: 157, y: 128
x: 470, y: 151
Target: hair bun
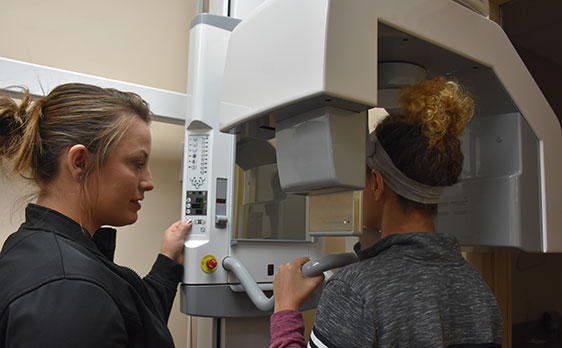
x: 441, y: 108
x: 12, y: 123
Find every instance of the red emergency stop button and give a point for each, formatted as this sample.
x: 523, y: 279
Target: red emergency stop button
x: 212, y: 263
x: 209, y: 263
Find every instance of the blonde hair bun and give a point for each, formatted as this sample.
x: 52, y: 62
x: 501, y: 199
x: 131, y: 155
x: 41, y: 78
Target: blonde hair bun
x: 441, y: 108
x: 12, y: 123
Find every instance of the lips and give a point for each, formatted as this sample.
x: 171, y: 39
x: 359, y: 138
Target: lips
x: 136, y: 203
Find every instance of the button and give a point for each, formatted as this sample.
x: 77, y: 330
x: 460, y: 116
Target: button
x: 202, y: 229
x: 212, y: 263
x: 209, y: 263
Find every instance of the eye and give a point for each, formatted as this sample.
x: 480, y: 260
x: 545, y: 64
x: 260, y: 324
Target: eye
x: 139, y: 164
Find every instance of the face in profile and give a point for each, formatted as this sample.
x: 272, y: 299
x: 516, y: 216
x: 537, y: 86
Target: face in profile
x: 123, y: 179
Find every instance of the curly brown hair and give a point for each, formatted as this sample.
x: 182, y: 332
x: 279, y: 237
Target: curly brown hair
x: 423, y: 141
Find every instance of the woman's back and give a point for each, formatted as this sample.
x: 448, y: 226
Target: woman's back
x: 408, y: 290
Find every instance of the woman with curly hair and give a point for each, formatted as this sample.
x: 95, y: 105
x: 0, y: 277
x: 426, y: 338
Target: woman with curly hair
x: 411, y: 286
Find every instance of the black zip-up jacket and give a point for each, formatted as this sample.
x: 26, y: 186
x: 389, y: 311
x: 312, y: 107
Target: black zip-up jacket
x: 60, y: 288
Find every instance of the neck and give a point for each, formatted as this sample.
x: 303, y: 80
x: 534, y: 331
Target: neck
x: 395, y: 220
x: 369, y: 237
x: 69, y: 204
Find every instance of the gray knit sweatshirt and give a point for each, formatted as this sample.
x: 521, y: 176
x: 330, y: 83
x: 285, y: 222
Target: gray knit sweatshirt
x: 408, y: 290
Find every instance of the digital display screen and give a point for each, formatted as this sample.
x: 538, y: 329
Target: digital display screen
x: 196, y: 203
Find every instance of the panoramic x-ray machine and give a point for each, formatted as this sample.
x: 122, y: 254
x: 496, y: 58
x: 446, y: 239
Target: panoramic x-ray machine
x: 276, y: 124
x: 279, y: 112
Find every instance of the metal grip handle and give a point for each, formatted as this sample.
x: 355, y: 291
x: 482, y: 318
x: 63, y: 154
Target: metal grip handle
x: 324, y: 263
x: 256, y: 295
x: 310, y: 269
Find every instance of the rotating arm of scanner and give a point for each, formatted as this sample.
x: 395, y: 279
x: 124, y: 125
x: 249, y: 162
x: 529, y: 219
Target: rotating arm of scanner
x: 312, y: 268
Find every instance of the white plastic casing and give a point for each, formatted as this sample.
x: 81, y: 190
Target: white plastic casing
x: 289, y: 52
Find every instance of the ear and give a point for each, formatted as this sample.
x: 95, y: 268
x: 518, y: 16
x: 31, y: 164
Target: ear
x: 378, y: 183
x: 77, y: 160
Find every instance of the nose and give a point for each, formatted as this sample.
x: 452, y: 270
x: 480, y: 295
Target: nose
x: 147, y: 184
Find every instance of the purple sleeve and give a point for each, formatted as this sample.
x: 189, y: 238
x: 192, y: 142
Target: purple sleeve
x: 287, y: 330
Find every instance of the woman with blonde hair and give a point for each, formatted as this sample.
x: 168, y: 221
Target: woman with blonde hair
x: 411, y: 286
x: 87, y: 149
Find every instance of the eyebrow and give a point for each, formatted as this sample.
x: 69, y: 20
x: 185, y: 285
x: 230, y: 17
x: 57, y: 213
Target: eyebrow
x: 142, y: 152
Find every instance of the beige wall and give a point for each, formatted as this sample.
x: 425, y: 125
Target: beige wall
x: 138, y: 41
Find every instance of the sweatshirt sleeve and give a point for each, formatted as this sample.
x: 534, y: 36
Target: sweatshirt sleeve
x: 162, y: 282
x: 65, y: 314
x: 287, y: 330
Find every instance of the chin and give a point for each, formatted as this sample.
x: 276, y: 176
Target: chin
x: 125, y: 221
x: 132, y: 220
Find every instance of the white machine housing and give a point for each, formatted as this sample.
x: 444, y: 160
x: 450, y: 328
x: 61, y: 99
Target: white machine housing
x: 327, y: 55
x: 208, y: 193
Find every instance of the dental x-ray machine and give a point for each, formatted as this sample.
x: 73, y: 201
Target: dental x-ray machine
x: 277, y: 116
x: 279, y: 112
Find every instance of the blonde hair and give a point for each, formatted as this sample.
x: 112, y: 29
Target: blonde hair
x: 439, y: 106
x: 33, y: 135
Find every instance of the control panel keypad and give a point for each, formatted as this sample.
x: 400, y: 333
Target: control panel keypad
x: 198, y: 160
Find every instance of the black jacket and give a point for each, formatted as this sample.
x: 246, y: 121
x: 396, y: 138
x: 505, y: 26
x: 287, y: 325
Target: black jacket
x: 60, y: 288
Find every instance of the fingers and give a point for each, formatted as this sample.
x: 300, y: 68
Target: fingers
x: 291, y: 287
x: 185, y: 226
x: 295, y: 264
x: 301, y: 261
x: 173, y: 241
x: 181, y: 227
x: 318, y: 279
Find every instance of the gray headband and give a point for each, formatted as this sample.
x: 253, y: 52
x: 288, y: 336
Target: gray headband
x: 377, y: 158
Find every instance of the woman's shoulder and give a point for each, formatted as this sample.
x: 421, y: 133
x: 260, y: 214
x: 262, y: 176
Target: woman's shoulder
x: 31, y: 258
x: 28, y: 245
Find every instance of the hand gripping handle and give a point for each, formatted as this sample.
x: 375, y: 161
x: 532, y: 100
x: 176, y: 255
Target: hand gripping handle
x: 310, y: 269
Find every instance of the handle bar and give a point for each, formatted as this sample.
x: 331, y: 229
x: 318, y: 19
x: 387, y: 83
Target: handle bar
x: 310, y: 269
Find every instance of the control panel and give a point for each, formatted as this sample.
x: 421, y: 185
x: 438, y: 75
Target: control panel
x: 197, y: 161
x: 196, y: 205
